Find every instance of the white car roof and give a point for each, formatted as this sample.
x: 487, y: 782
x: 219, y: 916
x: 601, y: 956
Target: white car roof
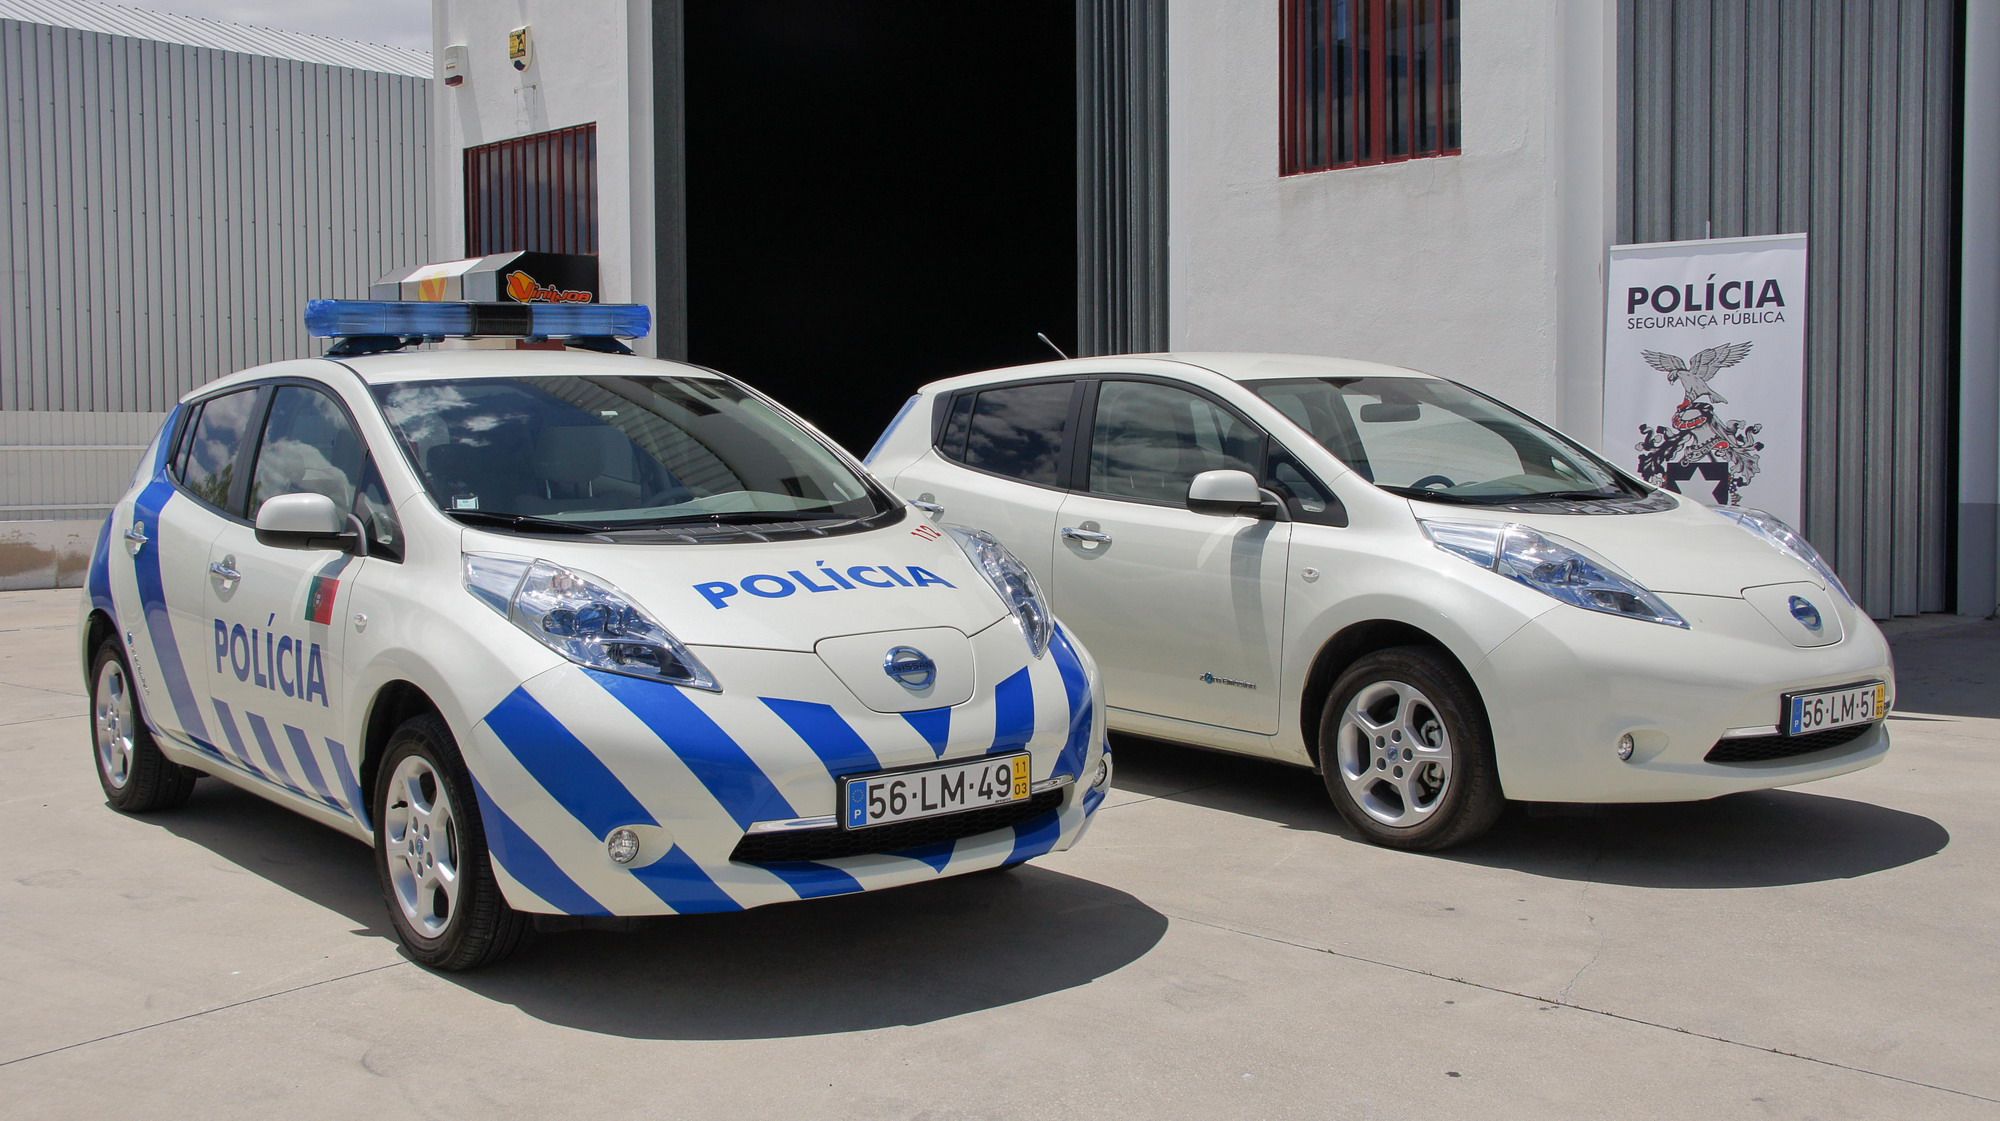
x: 431, y: 365
x: 1232, y: 366
x: 463, y: 362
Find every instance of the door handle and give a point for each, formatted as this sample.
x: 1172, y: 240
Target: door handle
x: 225, y: 570
x: 1088, y: 536
x: 135, y: 538
x: 927, y: 506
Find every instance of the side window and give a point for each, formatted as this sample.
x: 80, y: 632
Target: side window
x: 1013, y: 430
x: 1150, y: 441
x: 208, y: 462
x: 309, y: 445
x: 1305, y: 497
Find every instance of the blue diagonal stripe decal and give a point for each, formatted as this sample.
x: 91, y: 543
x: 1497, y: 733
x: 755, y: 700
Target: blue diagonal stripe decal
x: 564, y: 767
x: 723, y: 767
x: 356, y: 800
x: 1091, y: 800
x: 302, y: 751
x: 1036, y: 837
x: 262, y: 732
x: 934, y: 724
x: 1082, y: 713
x: 529, y: 863
x: 1014, y: 712
x: 937, y: 854
x: 153, y: 601
x: 837, y: 745
x: 235, y: 738
x: 681, y: 884
x: 813, y: 881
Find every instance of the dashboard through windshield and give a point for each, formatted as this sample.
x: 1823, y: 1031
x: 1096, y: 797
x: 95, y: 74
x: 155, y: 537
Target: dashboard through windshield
x: 1441, y: 442
x: 605, y: 454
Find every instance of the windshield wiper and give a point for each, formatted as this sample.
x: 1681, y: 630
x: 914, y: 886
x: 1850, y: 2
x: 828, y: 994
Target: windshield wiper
x: 523, y: 522
x: 737, y: 517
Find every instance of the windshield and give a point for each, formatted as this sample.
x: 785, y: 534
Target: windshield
x: 1439, y: 441
x: 611, y: 453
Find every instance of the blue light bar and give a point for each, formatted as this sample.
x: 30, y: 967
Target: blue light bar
x: 443, y: 319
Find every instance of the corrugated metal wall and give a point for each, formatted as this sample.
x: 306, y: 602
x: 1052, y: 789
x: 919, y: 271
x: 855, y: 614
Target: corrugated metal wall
x: 1121, y: 105
x: 1839, y: 119
x: 169, y: 210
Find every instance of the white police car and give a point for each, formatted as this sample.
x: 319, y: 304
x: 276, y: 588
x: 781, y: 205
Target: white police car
x: 1434, y: 600
x: 571, y: 633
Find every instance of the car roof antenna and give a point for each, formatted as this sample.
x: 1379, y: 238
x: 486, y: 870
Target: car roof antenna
x: 1051, y: 345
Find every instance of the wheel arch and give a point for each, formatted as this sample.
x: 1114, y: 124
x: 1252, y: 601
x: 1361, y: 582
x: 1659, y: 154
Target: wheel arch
x: 1354, y: 642
x: 394, y: 702
x: 97, y: 627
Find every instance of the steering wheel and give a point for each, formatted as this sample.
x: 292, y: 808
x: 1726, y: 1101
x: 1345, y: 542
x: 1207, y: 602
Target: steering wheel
x: 1429, y: 482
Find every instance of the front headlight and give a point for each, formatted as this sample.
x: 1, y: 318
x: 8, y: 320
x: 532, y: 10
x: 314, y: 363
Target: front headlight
x: 583, y: 618
x: 1775, y: 533
x: 1013, y: 581
x: 1552, y: 566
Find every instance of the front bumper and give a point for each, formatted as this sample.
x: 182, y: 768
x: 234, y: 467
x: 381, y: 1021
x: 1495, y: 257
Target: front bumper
x: 1561, y: 691
x: 574, y: 754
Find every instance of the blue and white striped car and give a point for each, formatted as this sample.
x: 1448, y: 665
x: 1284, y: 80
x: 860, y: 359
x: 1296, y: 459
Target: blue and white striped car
x: 572, y: 633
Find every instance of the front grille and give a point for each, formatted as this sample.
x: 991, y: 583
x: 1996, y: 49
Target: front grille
x: 826, y: 844
x: 1759, y: 749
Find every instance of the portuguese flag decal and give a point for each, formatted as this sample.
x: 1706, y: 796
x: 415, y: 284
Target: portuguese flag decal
x: 324, y: 591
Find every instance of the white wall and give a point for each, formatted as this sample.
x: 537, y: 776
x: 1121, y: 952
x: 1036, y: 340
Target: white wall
x: 591, y: 63
x: 1453, y: 265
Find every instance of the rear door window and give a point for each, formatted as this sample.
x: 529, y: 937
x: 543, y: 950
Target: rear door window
x: 1019, y: 431
x: 214, y: 448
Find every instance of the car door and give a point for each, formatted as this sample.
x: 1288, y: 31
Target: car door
x: 1184, y: 611
x: 174, y: 521
x: 999, y: 463
x: 277, y: 625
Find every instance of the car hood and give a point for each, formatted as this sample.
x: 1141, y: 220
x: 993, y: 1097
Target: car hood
x: 780, y: 595
x: 1690, y: 549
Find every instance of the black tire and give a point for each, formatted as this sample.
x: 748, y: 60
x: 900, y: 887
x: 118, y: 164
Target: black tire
x: 478, y: 928
x: 151, y: 781
x: 1463, y: 805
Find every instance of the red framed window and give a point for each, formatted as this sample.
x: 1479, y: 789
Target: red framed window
x: 1366, y: 82
x: 537, y: 193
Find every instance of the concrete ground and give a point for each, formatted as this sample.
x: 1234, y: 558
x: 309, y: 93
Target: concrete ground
x: 1219, y: 946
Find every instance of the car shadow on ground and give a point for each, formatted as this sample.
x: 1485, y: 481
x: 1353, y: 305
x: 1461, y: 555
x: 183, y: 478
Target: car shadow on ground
x: 911, y: 955
x: 1762, y: 839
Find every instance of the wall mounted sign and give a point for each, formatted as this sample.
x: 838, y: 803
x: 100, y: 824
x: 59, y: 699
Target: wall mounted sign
x: 1704, y: 368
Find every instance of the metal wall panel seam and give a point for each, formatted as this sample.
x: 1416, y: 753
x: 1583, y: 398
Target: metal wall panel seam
x: 1728, y: 133
x: 1907, y: 306
x: 1879, y: 484
x: 1942, y: 206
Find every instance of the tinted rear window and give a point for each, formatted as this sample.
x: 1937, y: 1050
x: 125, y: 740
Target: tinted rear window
x: 1017, y: 430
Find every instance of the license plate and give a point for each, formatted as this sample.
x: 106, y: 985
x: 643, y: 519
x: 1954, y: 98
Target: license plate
x: 879, y: 799
x: 1835, y: 708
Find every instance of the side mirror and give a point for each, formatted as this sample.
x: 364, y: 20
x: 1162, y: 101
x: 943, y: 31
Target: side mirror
x: 1231, y: 494
x: 305, y: 521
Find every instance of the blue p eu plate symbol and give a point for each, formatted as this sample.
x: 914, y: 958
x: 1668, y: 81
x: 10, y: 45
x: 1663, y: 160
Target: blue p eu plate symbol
x: 857, y: 804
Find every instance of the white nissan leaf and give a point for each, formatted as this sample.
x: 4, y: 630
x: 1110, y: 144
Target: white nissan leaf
x: 571, y: 633
x: 1434, y: 600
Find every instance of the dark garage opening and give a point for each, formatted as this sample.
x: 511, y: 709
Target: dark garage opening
x: 879, y: 193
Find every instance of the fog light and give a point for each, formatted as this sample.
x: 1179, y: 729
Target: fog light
x: 1102, y: 778
x: 1625, y: 746
x: 622, y: 846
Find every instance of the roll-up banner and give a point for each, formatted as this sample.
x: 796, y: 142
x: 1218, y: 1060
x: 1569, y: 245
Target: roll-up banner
x: 1704, y: 368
